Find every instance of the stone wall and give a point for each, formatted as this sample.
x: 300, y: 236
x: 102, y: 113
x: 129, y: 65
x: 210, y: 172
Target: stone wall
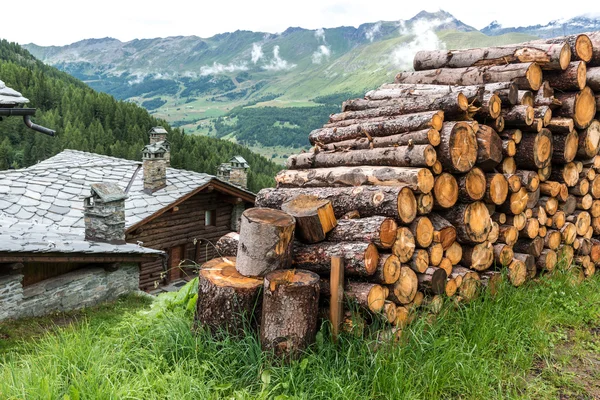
x: 80, y: 288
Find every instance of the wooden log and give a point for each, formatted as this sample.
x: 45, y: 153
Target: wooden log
x: 336, y: 296
x: 433, y: 280
x: 526, y: 75
x: 436, y: 254
x: 595, y: 209
x: 389, y: 310
x: 381, y: 231
x: 265, y: 241
x: 419, y: 261
x: 543, y: 113
x: 514, y: 182
x: 491, y: 106
x: 547, y: 260
x: 558, y: 220
x: 547, y: 56
x: 568, y: 174
x: 517, y: 272
x: 472, y: 221
x: 388, y: 270
x: 227, y: 245
x: 227, y: 300
x: 581, y: 106
x: 516, y: 202
x: 584, y: 203
x: 489, y: 148
x: 525, y: 98
x: 314, y: 217
x: 424, y: 136
x: 568, y: 206
x: 494, y: 233
x: 518, y: 116
x: 417, y: 179
x: 585, y: 246
x: 507, y: 166
x: 479, y: 257
x: 563, y: 195
x: 512, y: 134
x: 496, y: 190
x: 445, y: 191
x: 532, y: 228
x: 593, y: 78
x: 399, y: 90
x: 553, y: 239
x: 404, y: 246
x: 503, y: 254
x: 518, y: 221
x: 582, y: 221
x: 581, y: 46
x: 369, y: 296
x: 508, y: 234
x: 595, y: 187
x: 589, y: 140
x: 406, y: 287
x: 359, y: 124
x: 550, y: 188
x: 588, y: 173
x: 454, y: 253
x: 498, y: 217
x: 540, y: 213
x: 527, y: 246
x: 572, y: 78
x: 535, y: 127
x: 470, y: 282
x: 581, y: 188
x: 457, y: 151
x: 422, y: 229
x: 425, y: 203
x: 565, y: 255
x: 544, y: 172
x: 395, y: 202
x: 401, y: 156
x: 498, y: 124
x: 561, y: 126
x: 530, y: 265
x: 453, y: 104
x: 529, y: 179
x: 472, y: 185
x: 535, y: 150
x: 565, y: 147
x: 289, y: 312
x: 595, y: 251
x: 360, y: 259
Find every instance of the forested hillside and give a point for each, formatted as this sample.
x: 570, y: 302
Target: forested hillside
x: 91, y: 121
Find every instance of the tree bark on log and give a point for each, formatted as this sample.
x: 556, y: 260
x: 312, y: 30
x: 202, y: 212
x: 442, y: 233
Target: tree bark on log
x: 425, y: 136
x: 544, y: 113
x: 581, y: 106
x: 404, y: 156
x: 472, y: 222
x: 388, y: 270
x: 446, y: 232
x: 572, y: 78
x: 526, y: 76
x: 520, y: 116
x: 489, y: 148
x: 381, y: 231
x: 289, y: 312
x: 227, y: 300
x: 420, y: 180
x: 589, y: 141
x: 386, y: 201
x: 503, y: 254
x: 457, y: 151
x: 525, y: 98
x: 472, y: 185
x: 360, y: 259
x: 593, y: 78
x: 314, y: 217
x: 581, y: 46
x: 445, y: 190
x: 265, y: 241
x: 385, y: 121
x: 529, y: 180
x: 532, y: 199
x: 227, y: 245
x: 369, y: 296
x: 506, y: 91
x: 560, y: 125
x: 526, y: 246
x: 535, y: 150
x: 547, y: 56
x: 568, y: 174
x: 511, y: 134
x: 433, y: 280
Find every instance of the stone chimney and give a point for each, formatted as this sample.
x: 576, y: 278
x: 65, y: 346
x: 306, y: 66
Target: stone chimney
x: 155, y: 166
x: 158, y: 134
x: 104, y: 213
x: 235, y: 171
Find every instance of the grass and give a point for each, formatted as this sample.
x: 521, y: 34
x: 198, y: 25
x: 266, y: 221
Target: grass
x: 508, y: 346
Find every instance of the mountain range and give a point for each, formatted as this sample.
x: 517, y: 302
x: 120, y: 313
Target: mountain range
x: 228, y: 85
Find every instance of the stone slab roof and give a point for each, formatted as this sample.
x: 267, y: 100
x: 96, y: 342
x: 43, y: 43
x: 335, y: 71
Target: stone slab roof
x: 52, y: 191
x: 26, y: 237
x: 10, y: 97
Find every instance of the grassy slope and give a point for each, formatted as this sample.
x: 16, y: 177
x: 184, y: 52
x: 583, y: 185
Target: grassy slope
x: 503, y: 347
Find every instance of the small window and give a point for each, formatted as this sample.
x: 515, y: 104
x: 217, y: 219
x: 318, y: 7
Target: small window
x: 210, y: 218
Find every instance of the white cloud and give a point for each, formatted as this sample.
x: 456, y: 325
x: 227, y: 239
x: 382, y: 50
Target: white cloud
x: 277, y: 63
x: 257, y: 52
x: 373, y: 31
x: 320, y: 34
x: 424, y: 38
x: 322, y: 53
x: 218, y: 68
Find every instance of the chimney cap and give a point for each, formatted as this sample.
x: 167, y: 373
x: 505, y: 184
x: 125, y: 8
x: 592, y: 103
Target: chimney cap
x: 107, y: 192
x: 158, y: 130
x: 156, y: 148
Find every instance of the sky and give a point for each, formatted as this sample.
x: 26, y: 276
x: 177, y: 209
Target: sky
x: 61, y: 22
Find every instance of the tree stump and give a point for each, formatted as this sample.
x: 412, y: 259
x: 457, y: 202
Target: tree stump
x: 314, y: 217
x: 226, y: 299
x: 289, y: 313
x: 265, y: 241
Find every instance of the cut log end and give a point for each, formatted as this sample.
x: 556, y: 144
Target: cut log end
x: 407, y: 205
x: 445, y: 190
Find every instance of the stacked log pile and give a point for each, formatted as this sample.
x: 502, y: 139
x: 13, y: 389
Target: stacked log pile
x: 476, y: 161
